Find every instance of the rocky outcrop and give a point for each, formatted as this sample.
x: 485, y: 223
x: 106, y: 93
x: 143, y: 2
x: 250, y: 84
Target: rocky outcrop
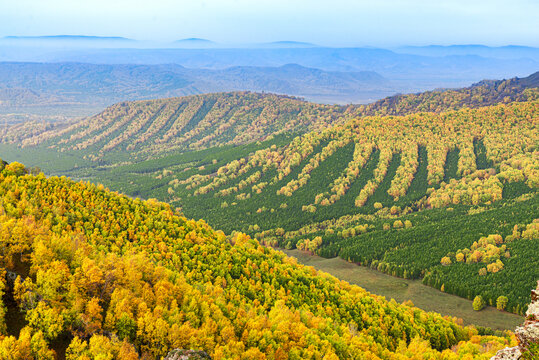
x: 527, y: 335
x: 180, y: 354
x: 512, y: 353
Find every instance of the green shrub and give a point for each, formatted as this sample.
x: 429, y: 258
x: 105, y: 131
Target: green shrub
x: 501, y: 302
x: 478, y: 303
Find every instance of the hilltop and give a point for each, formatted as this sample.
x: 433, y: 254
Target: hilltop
x: 195, y: 43
x: 483, y: 93
x: 194, y: 40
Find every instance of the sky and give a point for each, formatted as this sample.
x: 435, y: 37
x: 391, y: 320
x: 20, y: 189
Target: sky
x: 323, y: 22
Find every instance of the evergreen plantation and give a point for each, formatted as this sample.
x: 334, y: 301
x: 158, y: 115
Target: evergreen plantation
x: 157, y: 127
x: 427, y: 188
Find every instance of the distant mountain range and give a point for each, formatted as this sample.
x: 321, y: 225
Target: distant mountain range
x: 195, y: 43
x: 69, y: 37
x: 188, y: 43
x: 52, y: 43
x: 420, y: 72
x: 82, y: 74
x: 293, y: 79
x: 90, y: 87
x: 411, y: 68
x: 501, y: 52
x: 78, y: 89
x: 287, y: 44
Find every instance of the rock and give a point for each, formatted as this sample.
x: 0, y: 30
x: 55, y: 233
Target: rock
x: 180, y: 354
x: 533, y: 312
x: 527, y: 334
x: 512, y: 353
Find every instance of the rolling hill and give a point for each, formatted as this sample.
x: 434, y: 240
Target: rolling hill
x: 376, y: 191
x: 197, y: 122
x: 95, y: 274
x: 440, y: 187
x: 154, y: 127
x: 83, y: 89
x: 484, y: 93
x: 12, y: 97
x: 195, y: 43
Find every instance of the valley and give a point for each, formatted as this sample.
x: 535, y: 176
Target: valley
x: 154, y: 280
x: 422, y: 296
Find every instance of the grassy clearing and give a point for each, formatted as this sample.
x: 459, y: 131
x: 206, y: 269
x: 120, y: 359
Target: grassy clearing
x: 422, y: 296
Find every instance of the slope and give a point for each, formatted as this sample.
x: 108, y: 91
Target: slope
x: 484, y: 93
x: 373, y: 190
x: 100, y: 275
x: 376, y: 191
x: 163, y: 126
x: 202, y: 121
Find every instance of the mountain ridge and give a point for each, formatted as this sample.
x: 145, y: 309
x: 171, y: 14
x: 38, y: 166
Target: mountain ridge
x: 88, y: 85
x: 74, y: 37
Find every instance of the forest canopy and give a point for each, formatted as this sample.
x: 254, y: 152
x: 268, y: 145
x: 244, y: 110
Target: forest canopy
x: 118, y: 278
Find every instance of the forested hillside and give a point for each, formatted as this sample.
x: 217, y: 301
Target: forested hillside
x: 155, y: 127
x: 98, y: 275
x: 484, y: 93
x: 377, y: 191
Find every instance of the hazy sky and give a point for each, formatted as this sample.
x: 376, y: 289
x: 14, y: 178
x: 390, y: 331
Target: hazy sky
x: 325, y: 22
